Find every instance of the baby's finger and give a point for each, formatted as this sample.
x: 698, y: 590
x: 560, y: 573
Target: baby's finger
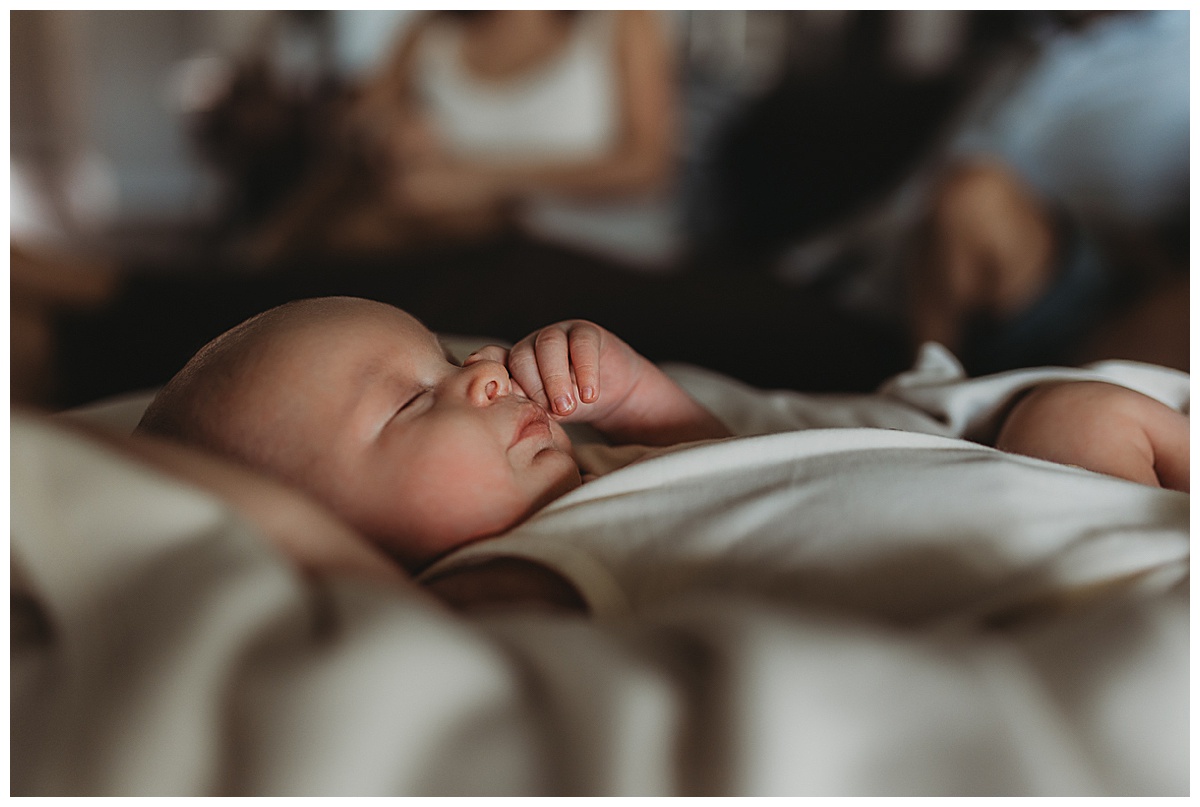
x: 487, y: 353
x: 554, y: 366
x: 585, y: 360
x: 522, y: 366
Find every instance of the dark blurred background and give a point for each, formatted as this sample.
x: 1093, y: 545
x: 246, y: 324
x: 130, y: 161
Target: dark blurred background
x: 830, y: 177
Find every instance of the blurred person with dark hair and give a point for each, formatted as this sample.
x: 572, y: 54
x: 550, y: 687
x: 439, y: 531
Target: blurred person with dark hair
x: 480, y: 117
x: 850, y: 119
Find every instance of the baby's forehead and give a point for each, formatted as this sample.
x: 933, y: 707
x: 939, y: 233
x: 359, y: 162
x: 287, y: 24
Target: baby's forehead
x: 357, y: 327
x: 328, y: 348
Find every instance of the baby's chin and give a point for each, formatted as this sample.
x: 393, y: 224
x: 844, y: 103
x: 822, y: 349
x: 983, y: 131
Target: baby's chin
x: 418, y: 555
x: 569, y: 480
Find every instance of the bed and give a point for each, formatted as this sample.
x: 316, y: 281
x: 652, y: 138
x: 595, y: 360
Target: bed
x: 902, y: 642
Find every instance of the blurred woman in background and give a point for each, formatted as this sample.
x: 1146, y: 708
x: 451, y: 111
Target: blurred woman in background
x: 481, y: 117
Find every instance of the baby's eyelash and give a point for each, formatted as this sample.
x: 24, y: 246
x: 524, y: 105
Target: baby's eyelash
x: 411, y: 400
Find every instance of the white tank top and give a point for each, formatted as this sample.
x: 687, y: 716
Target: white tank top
x: 565, y: 108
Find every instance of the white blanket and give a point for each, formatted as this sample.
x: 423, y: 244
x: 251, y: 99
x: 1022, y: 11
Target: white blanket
x: 905, y: 528
x: 160, y: 647
x: 850, y: 513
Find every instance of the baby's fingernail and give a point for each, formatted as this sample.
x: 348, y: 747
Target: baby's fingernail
x: 587, y: 394
x: 562, y: 404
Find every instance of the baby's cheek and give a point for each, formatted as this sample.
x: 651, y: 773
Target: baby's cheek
x: 552, y: 474
x: 435, y: 523
x: 475, y: 496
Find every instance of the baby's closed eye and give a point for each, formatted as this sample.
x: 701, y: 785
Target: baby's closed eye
x: 413, y: 402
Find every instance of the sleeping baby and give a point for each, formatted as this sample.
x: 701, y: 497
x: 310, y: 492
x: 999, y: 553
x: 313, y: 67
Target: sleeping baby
x: 358, y: 404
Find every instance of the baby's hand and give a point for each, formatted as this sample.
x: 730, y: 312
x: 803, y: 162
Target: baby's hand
x: 576, y: 369
x: 1103, y: 428
x: 580, y: 372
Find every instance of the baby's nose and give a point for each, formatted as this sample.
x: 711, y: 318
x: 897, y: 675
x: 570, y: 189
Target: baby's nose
x: 487, y: 381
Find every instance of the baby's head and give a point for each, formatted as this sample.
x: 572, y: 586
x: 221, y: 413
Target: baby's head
x: 356, y: 402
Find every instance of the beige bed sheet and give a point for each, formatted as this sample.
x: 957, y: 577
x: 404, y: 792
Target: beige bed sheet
x: 160, y: 647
